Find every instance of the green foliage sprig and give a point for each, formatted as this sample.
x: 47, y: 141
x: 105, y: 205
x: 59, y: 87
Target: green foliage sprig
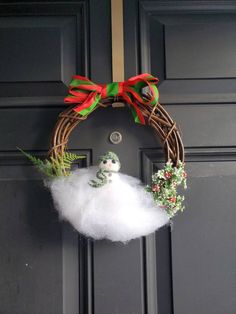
x: 164, y: 187
x: 54, y: 167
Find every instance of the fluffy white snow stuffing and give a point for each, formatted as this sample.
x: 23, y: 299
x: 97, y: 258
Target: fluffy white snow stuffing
x: 119, y: 211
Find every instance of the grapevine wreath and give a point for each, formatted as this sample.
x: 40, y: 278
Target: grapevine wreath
x: 87, y: 197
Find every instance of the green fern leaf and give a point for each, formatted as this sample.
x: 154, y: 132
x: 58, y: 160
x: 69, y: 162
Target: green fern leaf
x: 69, y: 158
x: 35, y: 161
x: 41, y: 165
x: 54, y: 167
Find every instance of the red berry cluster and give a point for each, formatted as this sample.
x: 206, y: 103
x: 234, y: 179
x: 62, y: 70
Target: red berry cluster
x: 155, y: 188
x: 167, y: 175
x: 172, y: 199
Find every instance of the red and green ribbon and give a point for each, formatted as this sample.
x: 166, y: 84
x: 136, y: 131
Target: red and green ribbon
x: 87, y: 94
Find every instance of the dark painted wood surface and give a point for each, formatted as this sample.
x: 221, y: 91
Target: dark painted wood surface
x: 45, y: 266
x: 31, y: 257
x: 48, y: 267
x: 189, y: 45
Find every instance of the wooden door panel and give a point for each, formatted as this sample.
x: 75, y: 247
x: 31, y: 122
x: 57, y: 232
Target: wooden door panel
x: 186, y: 45
x: 200, y: 47
x: 40, y: 51
x: 30, y: 237
x: 118, y: 277
x: 31, y: 43
x: 205, y: 232
x: 206, y: 125
x: 45, y: 265
x: 192, y: 53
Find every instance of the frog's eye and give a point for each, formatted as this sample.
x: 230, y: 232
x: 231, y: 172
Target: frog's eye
x: 104, y: 161
x: 113, y: 161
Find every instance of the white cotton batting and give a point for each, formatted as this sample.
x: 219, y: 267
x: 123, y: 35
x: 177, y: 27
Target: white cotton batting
x: 119, y: 211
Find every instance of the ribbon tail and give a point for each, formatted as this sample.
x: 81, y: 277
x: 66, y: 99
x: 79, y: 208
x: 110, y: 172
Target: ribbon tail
x: 88, y: 105
x: 137, y: 114
x: 76, y: 98
x: 142, y: 77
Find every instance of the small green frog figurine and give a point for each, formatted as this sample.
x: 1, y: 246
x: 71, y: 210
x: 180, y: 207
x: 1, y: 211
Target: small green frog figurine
x: 109, y: 164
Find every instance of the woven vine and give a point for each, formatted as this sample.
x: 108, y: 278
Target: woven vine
x: 156, y: 117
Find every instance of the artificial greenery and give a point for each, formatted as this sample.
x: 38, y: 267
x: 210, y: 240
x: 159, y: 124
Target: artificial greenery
x: 54, y: 167
x: 164, y: 187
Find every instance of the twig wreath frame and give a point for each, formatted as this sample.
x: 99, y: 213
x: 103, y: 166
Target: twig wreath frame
x: 156, y: 117
x: 141, y: 95
x: 87, y: 97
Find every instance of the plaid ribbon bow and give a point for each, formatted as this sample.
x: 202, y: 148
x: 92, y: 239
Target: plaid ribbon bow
x: 87, y: 94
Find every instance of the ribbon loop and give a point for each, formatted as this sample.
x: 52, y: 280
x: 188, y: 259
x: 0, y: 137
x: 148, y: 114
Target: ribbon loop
x: 87, y: 94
